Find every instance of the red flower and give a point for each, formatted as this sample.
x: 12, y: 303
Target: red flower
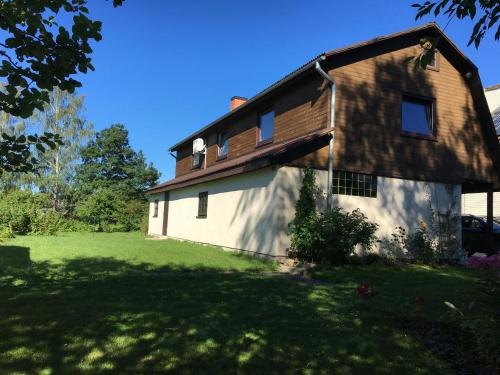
x: 365, y: 290
x: 419, y: 300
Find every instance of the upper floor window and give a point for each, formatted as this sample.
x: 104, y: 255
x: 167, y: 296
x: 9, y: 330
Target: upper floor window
x: 222, y: 145
x: 155, y: 208
x: 417, y: 116
x: 202, y: 204
x: 198, y: 160
x: 433, y: 64
x: 266, y: 126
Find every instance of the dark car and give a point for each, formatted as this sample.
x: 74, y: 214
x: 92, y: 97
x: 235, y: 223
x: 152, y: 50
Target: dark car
x: 475, y: 237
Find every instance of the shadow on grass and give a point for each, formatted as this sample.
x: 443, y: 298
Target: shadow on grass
x: 102, y: 315
x: 14, y: 256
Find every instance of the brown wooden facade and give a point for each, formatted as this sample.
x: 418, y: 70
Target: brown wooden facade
x: 370, y: 83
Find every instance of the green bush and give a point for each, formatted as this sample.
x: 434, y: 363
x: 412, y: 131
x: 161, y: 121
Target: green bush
x: 19, y: 208
x: 145, y: 222
x: 329, y: 236
x: 332, y: 236
x: 73, y: 225
x: 421, y: 247
x: 110, y: 211
x: 5, y: 233
x: 45, y: 222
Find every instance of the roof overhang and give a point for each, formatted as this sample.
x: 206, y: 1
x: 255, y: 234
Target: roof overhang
x: 279, y: 153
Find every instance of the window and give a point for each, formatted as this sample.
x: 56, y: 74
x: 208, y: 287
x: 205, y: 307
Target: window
x: 433, y: 64
x: 222, y: 145
x: 198, y: 160
x: 417, y: 116
x: 202, y: 204
x: 266, y: 127
x: 155, y: 206
x: 357, y: 184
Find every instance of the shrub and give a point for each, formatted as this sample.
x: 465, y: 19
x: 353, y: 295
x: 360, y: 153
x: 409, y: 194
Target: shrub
x: 145, y: 222
x: 45, y: 222
x: 5, y: 233
x: 332, y: 236
x: 101, y: 209
x: 491, y: 262
x: 131, y: 217
x: 73, y: 225
x: 19, y: 208
x: 305, y: 208
x: 420, y: 245
x: 109, y: 211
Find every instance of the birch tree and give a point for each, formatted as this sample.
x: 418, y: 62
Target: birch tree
x: 64, y: 115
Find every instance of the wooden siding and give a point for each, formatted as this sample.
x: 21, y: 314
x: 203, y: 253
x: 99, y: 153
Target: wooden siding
x: 299, y: 109
x: 368, y: 122
x: 370, y: 87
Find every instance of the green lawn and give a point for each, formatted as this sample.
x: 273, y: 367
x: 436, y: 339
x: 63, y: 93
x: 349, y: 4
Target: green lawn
x: 116, y: 303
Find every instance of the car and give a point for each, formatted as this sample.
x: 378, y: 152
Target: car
x: 475, y: 238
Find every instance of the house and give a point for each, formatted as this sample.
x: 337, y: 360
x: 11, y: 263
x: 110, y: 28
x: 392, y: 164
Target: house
x: 475, y: 203
x: 398, y: 143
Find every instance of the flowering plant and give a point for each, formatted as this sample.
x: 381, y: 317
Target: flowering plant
x: 491, y: 262
x: 366, y: 290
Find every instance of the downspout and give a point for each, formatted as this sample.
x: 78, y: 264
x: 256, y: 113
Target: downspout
x: 331, y: 82
x: 172, y: 154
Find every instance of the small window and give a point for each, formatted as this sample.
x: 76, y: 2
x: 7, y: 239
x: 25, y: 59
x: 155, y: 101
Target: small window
x: 202, y: 204
x: 155, y: 206
x: 198, y: 160
x: 433, y: 64
x: 417, y: 116
x: 266, y: 126
x: 222, y: 145
x: 357, y: 184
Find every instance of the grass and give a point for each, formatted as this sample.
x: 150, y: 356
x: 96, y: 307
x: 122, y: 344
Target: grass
x: 116, y: 303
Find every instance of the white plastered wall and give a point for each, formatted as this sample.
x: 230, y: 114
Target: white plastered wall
x: 155, y: 224
x: 251, y: 211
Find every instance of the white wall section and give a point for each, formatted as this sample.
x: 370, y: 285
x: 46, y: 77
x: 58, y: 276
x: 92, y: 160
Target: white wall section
x: 156, y: 223
x: 251, y: 211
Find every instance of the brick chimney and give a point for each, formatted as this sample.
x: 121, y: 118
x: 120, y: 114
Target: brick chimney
x: 236, y: 101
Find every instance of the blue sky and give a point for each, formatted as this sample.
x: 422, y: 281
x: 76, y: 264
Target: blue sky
x: 166, y: 68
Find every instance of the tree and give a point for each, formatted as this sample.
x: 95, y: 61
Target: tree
x: 62, y: 115
x: 41, y: 54
x: 486, y: 12
x: 38, y: 54
x: 17, y: 149
x: 108, y: 161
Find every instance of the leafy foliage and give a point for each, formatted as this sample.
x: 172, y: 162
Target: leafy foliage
x: 421, y: 246
x: 486, y: 11
x: 17, y: 151
x: 109, y: 211
x: 63, y: 115
x: 40, y: 54
x: 330, y: 236
x: 305, y: 207
x: 108, y: 161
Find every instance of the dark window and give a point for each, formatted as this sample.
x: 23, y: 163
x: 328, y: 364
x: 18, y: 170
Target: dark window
x: 198, y: 160
x: 223, y: 145
x: 155, y: 212
x: 357, y: 184
x: 266, y: 126
x: 202, y: 204
x: 433, y: 64
x: 417, y: 116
